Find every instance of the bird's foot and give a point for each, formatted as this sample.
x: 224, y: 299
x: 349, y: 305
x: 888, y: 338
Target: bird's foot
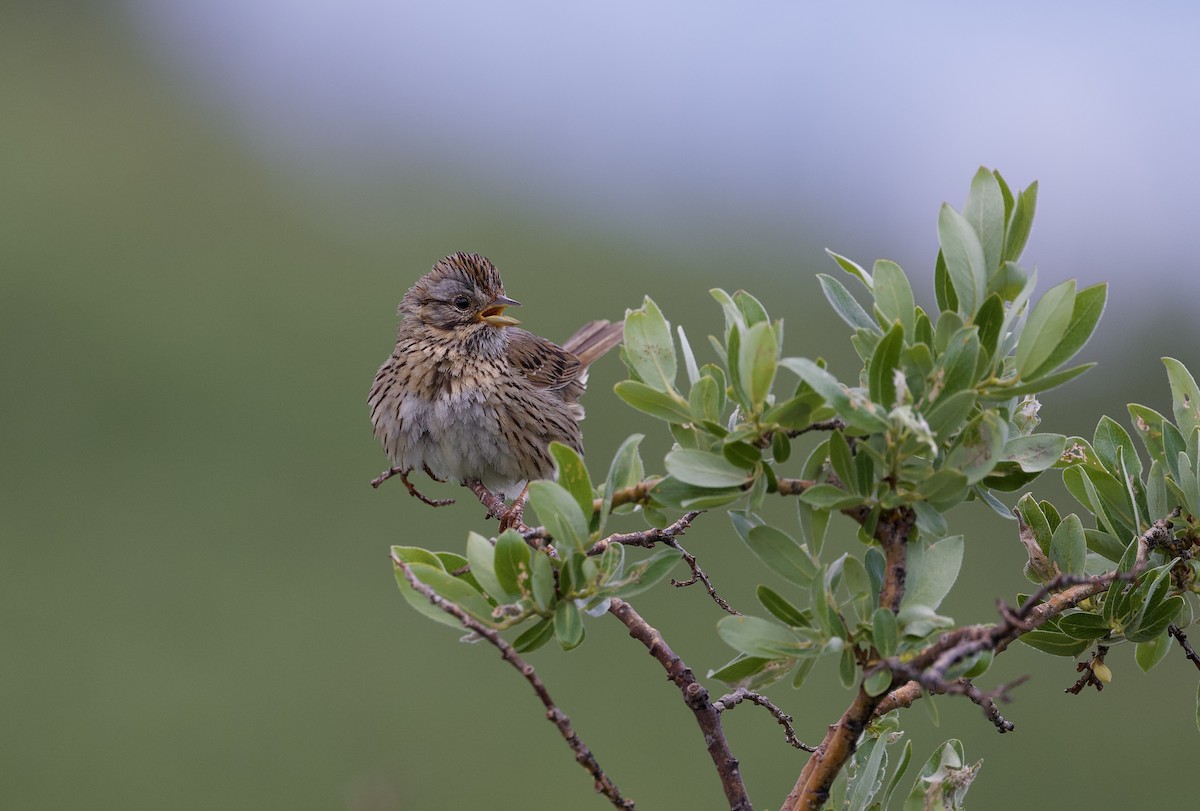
x: 412, y: 489
x: 509, y: 515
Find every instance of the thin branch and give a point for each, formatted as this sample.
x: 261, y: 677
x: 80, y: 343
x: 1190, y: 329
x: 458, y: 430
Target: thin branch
x: 583, y: 755
x: 1090, y: 677
x: 698, y: 576
x: 1174, y: 631
x: 634, y: 494
x: 647, y: 538
x: 695, y: 697
x: 731, y: 700
x: 793, y: 487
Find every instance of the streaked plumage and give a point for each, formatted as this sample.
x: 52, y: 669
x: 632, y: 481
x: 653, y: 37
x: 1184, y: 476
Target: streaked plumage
x: 466, y: 395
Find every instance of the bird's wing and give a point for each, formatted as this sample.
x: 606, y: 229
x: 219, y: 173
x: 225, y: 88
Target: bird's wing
x: 542, y: 362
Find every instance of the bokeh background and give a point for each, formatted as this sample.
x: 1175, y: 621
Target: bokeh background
x: 208, y: 212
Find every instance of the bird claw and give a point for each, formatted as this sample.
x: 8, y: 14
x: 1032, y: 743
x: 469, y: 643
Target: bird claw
x: 412, y: 489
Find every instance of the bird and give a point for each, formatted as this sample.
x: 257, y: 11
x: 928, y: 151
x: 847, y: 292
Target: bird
x: 468, y: 396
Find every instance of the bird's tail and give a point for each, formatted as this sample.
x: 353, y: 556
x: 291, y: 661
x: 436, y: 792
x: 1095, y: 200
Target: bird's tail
x: 593, y: 339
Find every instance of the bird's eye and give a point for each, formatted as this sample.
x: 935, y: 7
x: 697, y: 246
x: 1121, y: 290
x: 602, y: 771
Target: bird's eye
x: 462, y: 302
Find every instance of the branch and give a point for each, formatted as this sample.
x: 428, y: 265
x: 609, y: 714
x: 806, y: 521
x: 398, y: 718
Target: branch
x: 698, y: 576
x: 695, y: 697
x: 647, y: 538
x: 812, y: 787
x: 1174, y: 631
x: 583, y: 755
x: 1090, y: 676
x: 634, y: 494
x: 731, y: 700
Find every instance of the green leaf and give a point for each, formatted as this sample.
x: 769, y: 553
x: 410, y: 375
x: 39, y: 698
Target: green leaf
x: 965, y: 262
x: 705, y: 400
x: 481, y: 557
x: 1036, y: 452
x: 1081, y: 625
x: 1148, y: 654
x: 649, y: 347
x: 1110, y: 438
x: 841, y: 459
x: 559, y: 512
x: 446, y: 586
x: 1053, y: 642
x: 782, y: 555
x: 645, y: 574
x: 1047, y: 325
x: 960, y: 359
x: 537, y: 635
x: 845, y: 305
x: 1149, y: 426
x: 885, y: 631
x: 1020, y: 223
x: 689, y: 358
x: 1039, y: 385
x: 542, y: 581
x: 897, y: 776
x: 894, y: 296
x: 751, y: 308
x: 943, y: 287
x: 828, y: 497
x: 568, y: 625
x: 943, y: 781
x: 979, y: 447
x: 1089, y: 305
x: 512, y: 562
x: 866, y: 780
x: 852, y: 268
x: 851, y: 406
x: 573, y: 476
x: 984, y: 210
x: 932, y: 570
x: 1185, y: 397
x: 625, y: 471
x: 878, y: 682
x: 757, y: 357
x: 781, y: 609
x: 947, y: 414
x: 754, y: 636
x: 883, y: 367
x: 1035, y: 519
x: 704, y: 469
x: 666, y: 406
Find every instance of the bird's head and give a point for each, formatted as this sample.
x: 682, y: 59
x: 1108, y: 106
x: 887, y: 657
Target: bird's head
x: 462, y: 293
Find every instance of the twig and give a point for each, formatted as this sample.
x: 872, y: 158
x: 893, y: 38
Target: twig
x: 1088, y: 669
x: 741, y: 694
x: 1174, y: 631
x: 634, y: 494
x: 583, y: 755
x: 698, y: 576
x: 695, y: 697
x: 793, y: 487
x: 910, y: 691
x: 647, y: 538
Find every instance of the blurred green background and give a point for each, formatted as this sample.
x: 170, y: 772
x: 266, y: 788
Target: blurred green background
x: 198, y: 609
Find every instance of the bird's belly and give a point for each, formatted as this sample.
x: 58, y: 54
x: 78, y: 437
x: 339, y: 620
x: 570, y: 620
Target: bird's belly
x: 457, y: 436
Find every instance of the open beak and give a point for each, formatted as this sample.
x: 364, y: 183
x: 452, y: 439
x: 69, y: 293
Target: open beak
x: 494, y: 312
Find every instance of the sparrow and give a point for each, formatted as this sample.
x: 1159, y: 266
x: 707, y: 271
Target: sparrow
x: 468, y: 396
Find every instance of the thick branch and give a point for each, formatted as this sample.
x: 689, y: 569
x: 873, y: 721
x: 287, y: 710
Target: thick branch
x: 695, y: 697
x: 583, y: 755
x: 812, y: 787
